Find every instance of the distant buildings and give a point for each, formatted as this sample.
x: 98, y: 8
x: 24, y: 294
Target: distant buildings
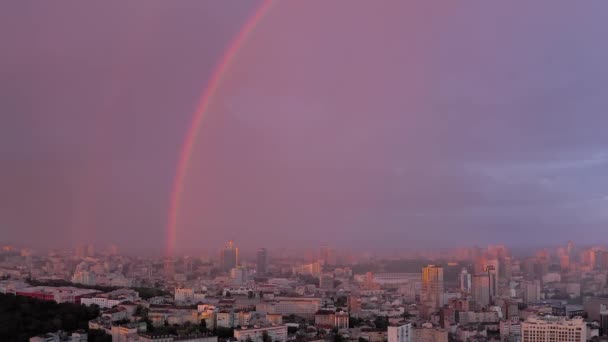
x: 393, y: 280
x: 262, y: 261
x: 428, y: 333
x: 401, y: 332
x: 127, y: 332
x: 326, y: 281
x: 486, y: 294
x: 256, y: 334
x: 63, y: 294
x: 305, y: 307
x: 482, y: 286
x: 312, y: 269
x: 432, y: 287
x: 229, y: 257
x: 84, y: 277
x: 61, y: 336
x: 327, y: 256
x: 594, y: 306
x: 188, y: 295
x: 238, y: 275
x: 330, y: 319
x: 531, y: 291
x: 163, y: 337
x: 110, y: 299
x: 465, y: 281
x: 553, y: 329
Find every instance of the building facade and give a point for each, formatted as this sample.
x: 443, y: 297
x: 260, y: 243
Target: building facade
x: 400, y: 333
x: 229, y: 257
x: 553, y: 329
x: 276, y: 333
x: 432, y: 287
x: 262, y: 261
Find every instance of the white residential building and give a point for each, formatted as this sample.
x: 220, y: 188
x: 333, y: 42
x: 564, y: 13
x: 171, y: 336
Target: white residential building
x: 188, y: 295
x: 401, y: 332
x: 111, y: 299
x: 300, y: 306
x: 277, y: 333
x: 553, y: 329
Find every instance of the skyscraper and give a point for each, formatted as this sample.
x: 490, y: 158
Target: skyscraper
x: 90, y: 250
x: 465, y: 281
x: 229, y: 257
x: 481, y: 290
x: 432, y: 287
x: 262, y: 261
x: 531, y: 291
x: 326, y: 257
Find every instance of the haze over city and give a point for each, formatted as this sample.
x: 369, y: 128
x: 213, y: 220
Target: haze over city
x: 389, y: 126
x: 303, y: 171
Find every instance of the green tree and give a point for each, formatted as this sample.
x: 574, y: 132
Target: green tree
x: 381, y: 322
x: 23, y: 317
x: 224, y: 332
x: 98, y: 336
x: 341, y: 301
x: 354, y: 322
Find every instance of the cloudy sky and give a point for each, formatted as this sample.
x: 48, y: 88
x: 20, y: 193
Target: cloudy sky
x: 346, y: 123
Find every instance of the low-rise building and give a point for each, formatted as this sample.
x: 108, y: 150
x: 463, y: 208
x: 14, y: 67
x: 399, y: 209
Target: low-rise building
x: 552, y: 328
x: 330, y: 319
x: 428, y: 333
x: 115, y: 314
x: 127, y: 332
x: 111, y: 299
x: 62, y: 294
x: 163, y: 337
x: 277, y: 333
x: 305, y: 307
x: 61, y: 336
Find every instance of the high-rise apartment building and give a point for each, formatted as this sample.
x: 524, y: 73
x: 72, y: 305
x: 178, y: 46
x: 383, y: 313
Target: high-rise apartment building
x: 238, y: 275
x: 465, y: 281
x: 262, y: 261
x: 530, y: 291
x: 553, y: 329
x: 432, y: 287
x: 229, y: 257
x: 481, y: 290
x: 401, y: 332
x: 603, y: 322
x: 570, y: 249
x: 326, y: 256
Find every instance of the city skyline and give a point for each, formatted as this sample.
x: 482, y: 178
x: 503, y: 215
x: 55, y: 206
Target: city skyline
x: 321, y: 254
x: 487, y: 293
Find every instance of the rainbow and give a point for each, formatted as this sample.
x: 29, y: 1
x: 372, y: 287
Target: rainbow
x: 197, y: 119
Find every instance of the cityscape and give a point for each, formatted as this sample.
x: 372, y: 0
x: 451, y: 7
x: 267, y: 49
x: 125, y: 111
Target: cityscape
x: 464, y: 294
x: 303, y: 171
